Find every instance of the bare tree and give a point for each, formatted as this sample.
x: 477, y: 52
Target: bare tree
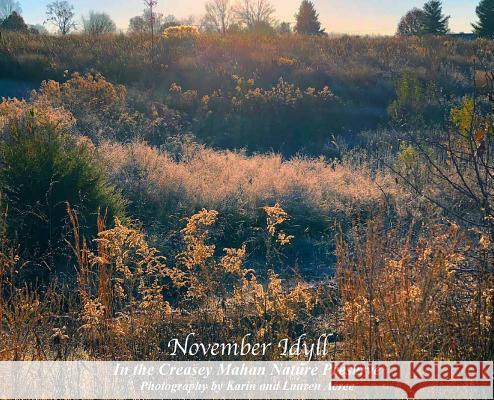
x: 253, y: 13
x: 218, y: 15
x: 459, y: 168
x: 7, y: 7
x: 98, y: 23
x: 412, y: 24
x: 461, y: 160
x: 147, y: 22
x: 138, y: 25
x: 61, y: 15
x: 151, y: 16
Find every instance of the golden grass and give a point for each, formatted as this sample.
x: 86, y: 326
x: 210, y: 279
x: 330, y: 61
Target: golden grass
x: 398, y: 297
x: 416, y: 296
x: 231, y: 180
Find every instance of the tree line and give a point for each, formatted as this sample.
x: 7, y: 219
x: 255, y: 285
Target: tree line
x: 220, y: 16
x: 430, y: 20
x: 224, y: 16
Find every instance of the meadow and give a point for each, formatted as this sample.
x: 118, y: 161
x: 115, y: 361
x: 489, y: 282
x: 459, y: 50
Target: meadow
x: 246, y: 183
x: 359, y: 72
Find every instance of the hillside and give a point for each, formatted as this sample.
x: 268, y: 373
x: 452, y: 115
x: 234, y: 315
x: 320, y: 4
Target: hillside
x: 246, y: 183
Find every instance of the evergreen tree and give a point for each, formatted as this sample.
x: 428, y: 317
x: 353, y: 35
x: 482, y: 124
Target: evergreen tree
x: 435, y: 23
x: 485, y: 26
x: 14, y: 22
x: 308, y: 19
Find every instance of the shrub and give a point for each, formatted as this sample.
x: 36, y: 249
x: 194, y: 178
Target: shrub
x: 418, y: 103
x: 181, y: 33
x: 14, y: 22
x: 120, y: 281
x: 44, y: 168
x: 103, y: 110
x: 262, y: 119
x: 97, y: 105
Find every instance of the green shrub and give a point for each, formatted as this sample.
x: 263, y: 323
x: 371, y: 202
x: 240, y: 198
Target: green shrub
x: 43, y: 170
x: 417, y: 103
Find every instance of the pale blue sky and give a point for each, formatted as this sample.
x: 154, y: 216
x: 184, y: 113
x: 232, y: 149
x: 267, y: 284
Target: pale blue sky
x: 349, y: 16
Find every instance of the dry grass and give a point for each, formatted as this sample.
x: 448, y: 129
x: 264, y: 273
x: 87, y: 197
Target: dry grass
x: 164, y: 186
x: 233, y: 181
x: 398, y: 297
x: 118, y: 308
x: 425, y: 295
x: 360, y: 70
x: 121, y: 57
x: 237, y: 229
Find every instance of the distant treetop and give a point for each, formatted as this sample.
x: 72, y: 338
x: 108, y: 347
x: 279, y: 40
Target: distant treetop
x: 435, y: 23
x: 254, y: 15
x: 98, y: 23
x: 427, y: 21
x: 7, y: 7
x: 485, y: 26
x: 308, y: 19
x: 61, y: 15
x: 218, y: 16
x: 15, y: 23
x: 412, y: 24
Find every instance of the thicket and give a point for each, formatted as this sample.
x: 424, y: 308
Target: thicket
x: 361, y: 75
x: 393, y: 298
x: 45, y: 168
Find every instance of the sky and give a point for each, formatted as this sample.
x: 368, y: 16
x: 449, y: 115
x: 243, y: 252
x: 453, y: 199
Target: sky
x: 373, y: 17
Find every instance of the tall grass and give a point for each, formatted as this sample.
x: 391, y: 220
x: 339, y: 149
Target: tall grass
x: 417, y: 295
x: 163, y: 186
x: 359, y: 70
x: 126, y: 58
x: 227, y: 180
x: 397, y: 297
x: 127, y: 302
